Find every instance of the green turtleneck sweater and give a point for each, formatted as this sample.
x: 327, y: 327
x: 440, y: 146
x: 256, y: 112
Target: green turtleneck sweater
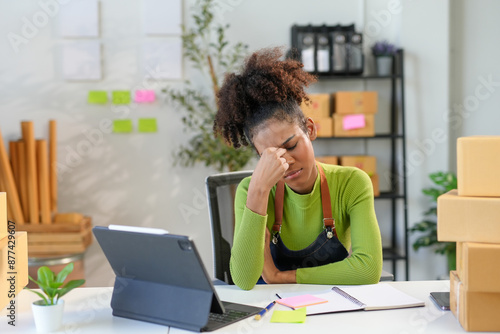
x: 353, y: 210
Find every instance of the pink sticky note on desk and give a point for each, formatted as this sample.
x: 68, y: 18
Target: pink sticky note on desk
x: 351, y: 122
x: 144, y: 96
x: 301, y: 301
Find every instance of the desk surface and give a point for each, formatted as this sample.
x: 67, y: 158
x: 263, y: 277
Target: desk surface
x: 87, y: 310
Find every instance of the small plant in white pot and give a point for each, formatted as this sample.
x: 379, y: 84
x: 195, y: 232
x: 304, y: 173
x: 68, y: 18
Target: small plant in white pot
x: 48, y: 311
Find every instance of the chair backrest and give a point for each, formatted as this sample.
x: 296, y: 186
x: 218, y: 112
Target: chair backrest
x: 220, y: 192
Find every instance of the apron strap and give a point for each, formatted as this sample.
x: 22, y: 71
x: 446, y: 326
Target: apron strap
x: 328, y: 221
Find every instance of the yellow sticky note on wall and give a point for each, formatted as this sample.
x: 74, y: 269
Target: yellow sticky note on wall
x: 122, y: 126
x: 147, y: 125
x: 121, y: 97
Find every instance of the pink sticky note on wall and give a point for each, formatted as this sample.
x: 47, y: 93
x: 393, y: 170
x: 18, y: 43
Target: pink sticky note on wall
x: 351, y: 122
x: 144, y: 96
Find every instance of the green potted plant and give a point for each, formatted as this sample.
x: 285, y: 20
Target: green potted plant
x: 444, y: 182
x: 48, y: 311
x: 207, y: 49
x: 384, y: 54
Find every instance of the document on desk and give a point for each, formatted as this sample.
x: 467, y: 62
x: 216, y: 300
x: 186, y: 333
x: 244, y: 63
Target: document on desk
x: 380, y: 296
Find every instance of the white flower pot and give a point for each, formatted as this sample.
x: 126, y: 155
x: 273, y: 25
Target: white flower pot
x: 48, y: 318
x: 383, y: 65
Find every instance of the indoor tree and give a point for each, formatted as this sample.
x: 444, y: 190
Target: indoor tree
x: 206, y: 48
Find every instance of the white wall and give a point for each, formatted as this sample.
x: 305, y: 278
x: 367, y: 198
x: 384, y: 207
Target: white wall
x: 475, y: 74
x: 130, y: 179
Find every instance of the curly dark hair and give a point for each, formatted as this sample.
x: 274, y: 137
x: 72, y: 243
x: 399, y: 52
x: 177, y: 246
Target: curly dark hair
x: 266, y: 88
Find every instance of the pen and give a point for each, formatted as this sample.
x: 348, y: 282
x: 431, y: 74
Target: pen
x: 261, y: 313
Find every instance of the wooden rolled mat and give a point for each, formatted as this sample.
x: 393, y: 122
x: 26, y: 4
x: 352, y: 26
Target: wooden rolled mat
x: 53, y: 165
x: 29, y: 141
x: 14, y: 162
x: 10, y: 185
x: 23, y: 178
x: 43, y: 180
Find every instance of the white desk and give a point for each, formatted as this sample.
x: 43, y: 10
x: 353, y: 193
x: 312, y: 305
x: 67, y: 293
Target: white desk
x: 87, y: 310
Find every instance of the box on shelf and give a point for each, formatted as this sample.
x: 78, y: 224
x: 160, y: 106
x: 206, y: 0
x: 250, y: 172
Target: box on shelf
x: 366, y: 163
x: 346, y: 126
x: 328, y: 159
x: 12, y: 284
x: 474, y: 219
x: 324, y: 126
x: 477, y: 266
x: 3, y: 215
x: 478, y: 159
x: 319, y: 106
x: 476, y: 311
x: 58, y: 239
x: 355, y: 102
x: 376, y: 186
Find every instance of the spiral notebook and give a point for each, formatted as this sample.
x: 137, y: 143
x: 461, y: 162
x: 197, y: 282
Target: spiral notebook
x: 380, y: 296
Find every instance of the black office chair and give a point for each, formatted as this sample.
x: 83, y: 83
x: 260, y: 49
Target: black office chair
x: 220, y: 193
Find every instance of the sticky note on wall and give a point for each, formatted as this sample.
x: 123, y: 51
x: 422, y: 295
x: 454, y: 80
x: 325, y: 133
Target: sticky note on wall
x: 97, y: 97
x: 147, y: 125
x: 144, y: 96
x: 122, y: 126
x: 351, y: 122
x: 121, y: 97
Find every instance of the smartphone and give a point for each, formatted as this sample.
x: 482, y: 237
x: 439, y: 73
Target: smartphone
x: 441, y: 299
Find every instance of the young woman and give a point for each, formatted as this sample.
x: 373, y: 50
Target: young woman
x: 296, y: 219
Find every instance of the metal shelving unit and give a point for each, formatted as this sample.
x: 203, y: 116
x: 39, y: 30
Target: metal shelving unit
x: 398, y: 249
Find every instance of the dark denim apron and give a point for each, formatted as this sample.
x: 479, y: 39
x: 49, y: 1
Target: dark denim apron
x: 324, y: 250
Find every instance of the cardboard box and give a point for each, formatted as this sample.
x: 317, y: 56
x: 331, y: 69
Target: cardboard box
x: 13, y: 279
x: 319, y: 106
x: 364, y: 162
x: 375, y: 182
x: 340, y: 130
x: 328, y: 159
x: 476, y: 311
x: 478, y: 266
x: 355, y: 102
x: 474, y: 219
x: 478, y: 160
x: 324, y: 126
x: 3, y: 215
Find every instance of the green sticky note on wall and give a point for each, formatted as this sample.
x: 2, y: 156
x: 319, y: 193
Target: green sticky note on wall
x: 97, y: 97
x: 296, y: 316
x: 121, y: 97
x: 147, y: 125
x: 122, y: 126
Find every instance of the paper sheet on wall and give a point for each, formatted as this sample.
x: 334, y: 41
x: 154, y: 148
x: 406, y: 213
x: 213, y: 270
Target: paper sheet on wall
x: 81, y: 60
x: 79, y: 18
x: 163, y: 59
x: 162, y: 17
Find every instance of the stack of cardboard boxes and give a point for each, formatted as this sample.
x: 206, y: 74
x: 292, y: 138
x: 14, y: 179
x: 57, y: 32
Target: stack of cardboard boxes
x: 320, y: 110
x: 366, y: 163
x: 470, y: 215
x: 352, y: 115
x: 13, y: 258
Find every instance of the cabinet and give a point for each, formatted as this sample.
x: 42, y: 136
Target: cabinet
x: 396, y: 249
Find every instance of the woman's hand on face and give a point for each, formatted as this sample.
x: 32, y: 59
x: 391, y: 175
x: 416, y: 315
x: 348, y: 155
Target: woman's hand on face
x: 271, y: 167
